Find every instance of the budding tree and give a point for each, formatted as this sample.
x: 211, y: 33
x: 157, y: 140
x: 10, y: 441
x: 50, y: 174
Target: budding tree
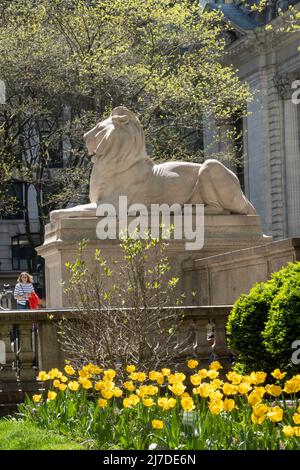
x: 122, y: 310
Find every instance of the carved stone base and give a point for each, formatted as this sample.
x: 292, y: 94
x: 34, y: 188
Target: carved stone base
x: 222, y: 234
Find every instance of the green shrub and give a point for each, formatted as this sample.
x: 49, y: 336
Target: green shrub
x: 246, y: 323
x: 283, y: 325
x: 263, y: 324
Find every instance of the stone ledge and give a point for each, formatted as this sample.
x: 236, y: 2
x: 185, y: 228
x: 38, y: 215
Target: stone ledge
x: 278, y: 246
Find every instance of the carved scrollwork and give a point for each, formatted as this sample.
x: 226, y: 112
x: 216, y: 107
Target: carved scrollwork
x: 283, y: 83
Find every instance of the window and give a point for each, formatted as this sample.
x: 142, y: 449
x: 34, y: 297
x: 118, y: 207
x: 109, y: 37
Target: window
x: 24, y: 258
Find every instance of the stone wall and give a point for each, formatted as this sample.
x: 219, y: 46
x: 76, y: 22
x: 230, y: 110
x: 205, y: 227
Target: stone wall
x: 221, y: 279
x: 29, y: 343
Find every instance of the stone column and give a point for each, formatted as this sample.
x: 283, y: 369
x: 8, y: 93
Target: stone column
x: 291, y: 134
x: 276, y: 158
x: 256, y: 171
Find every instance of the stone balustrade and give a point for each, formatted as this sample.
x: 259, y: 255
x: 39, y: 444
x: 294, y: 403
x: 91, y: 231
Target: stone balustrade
x: 6, y: 300
x: 29, y: 343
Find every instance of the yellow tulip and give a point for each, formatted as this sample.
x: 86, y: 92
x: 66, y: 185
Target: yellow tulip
x: 55, y: 374
x: 257, y: 420
x: 51, y: 395
x: 192, y: 364
x: 84, y: 374
x: 288, y: 431
x: 56, y: 383
x: 297, y: 431
x: 87, y: 384
x: 187, y: 404
x: 216, y: 407
x: 260, y: 390
x: 129, y: 386
x: 216, y: 383
x: 247, y: 379
x: 166, y: 403
x: 93, y: 369
x: 229, y: 404
x: 107, y: 394
x: 258, y: 377
x: 163, y: 403
x: 152, y: 390
x: 275, y: 414
x: 100, y: 385
x: 141, y: 376
x: 260, y: 409
x: 117, y: 392
x: 215, y: 365
x: 43, y: 376
x: 228, y: 389
x: 102, y: 403
x: 69, y: 370
x: 243, y: 388
x: 108, y: 384
x: 142, y: 391
x: 292, y: 385
x: 153, y: 375
x: 171, y: 402
x: 134, y: 399
x: 177, y: 388
x: 296, y: 418
x: 212, y: 374
x: 278, y: 374
x: 166, y: 372
x: 62, y: 387
x: 109, y: 374
x: 177, y: 377
x: 202, y: 373
x: 160, y: 378
x: 36, y: 398
x: 215, y: 395
x: 127, y: 403
x: 273, y: 390
x: 148, y: 401
x: 204, y: 390
x: 195, y: 379
x: 234, y: 377
x: 157, y: 424
x: 254, y: 398
x: 74, y: 386
x: 130, y: 369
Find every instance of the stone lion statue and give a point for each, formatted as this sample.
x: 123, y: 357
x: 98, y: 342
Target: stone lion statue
x: 122, y: 167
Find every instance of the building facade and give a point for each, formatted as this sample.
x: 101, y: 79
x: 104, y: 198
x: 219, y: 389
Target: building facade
x: 266, y: 56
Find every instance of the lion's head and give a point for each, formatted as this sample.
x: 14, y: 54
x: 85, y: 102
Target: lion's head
x: 119, y: 137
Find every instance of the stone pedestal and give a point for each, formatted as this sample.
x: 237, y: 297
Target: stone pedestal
x: 222, y: 234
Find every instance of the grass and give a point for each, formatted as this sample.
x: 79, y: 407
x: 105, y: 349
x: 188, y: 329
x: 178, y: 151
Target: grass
x: 20, y: 435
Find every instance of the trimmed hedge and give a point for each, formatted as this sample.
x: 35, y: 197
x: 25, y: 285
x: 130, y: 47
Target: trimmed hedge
x: 264, y: 323
x: 283, y: 325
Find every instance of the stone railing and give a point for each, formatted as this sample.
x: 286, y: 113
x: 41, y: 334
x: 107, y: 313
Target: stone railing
x: 29, y: 343
x: 6, y: 299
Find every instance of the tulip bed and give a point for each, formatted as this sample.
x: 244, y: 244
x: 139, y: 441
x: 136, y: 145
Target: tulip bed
x: 165, y: 410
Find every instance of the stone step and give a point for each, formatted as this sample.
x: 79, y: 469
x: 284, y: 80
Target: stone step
x: 13, y: 392
x: 14, y: 385
x: 8, y: 409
